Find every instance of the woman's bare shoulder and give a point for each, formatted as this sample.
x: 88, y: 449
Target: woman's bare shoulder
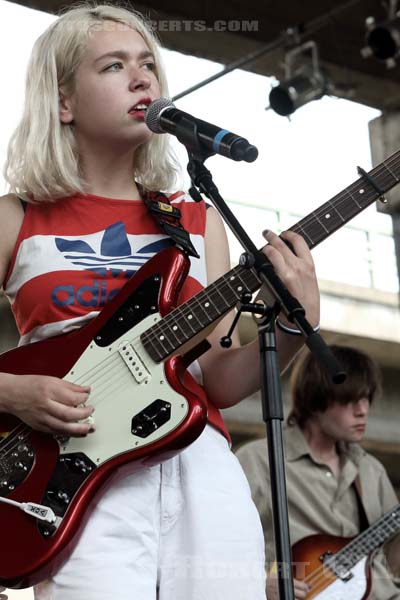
x: 11, y: 201
x: 11, y: 217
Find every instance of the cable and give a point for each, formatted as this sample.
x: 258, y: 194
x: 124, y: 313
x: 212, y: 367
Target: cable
x: 298, y: 32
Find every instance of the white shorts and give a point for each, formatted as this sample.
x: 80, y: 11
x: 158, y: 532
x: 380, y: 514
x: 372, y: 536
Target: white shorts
x: 185, y: 530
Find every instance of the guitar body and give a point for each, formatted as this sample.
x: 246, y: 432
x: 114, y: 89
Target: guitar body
x: 145, y: 412
x: 308, y: 557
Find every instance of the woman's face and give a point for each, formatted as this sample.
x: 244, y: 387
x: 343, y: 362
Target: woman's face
x: 117, y: 74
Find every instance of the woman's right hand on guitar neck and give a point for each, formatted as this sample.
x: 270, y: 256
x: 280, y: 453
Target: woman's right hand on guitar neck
x: 46, y: 403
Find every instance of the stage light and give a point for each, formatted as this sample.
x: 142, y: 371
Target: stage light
x: 382, y: 40
x: 304, y: 81
x: 293, y: 93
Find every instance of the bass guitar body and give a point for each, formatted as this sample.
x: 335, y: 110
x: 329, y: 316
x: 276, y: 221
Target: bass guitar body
x: 314, y: 561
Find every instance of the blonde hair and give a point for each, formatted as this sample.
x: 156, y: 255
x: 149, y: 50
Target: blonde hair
x: 42, y: 160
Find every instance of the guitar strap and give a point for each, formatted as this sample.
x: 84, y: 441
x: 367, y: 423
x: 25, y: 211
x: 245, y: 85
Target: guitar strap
x: 167, y: 218
x: 364, y: 524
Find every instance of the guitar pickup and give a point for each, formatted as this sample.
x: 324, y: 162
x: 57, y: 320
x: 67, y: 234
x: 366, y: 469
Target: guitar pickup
x: 151, y: 418
x: 133, y: 362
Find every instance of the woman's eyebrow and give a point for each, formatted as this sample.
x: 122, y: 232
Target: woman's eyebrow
x: 124, y: 54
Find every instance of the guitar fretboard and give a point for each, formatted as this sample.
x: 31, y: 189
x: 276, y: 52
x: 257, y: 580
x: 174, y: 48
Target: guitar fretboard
x: 368, y: 541
x: 192, y: 317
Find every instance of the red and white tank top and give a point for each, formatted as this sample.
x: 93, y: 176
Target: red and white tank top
x: 72, y: 256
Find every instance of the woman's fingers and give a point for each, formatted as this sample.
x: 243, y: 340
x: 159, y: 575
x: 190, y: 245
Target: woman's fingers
x: 294, y: 265
x: 295, y: 248
x: 53, y: 425
x: 69, y: 414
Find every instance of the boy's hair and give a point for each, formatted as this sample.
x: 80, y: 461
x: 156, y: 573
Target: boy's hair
x: 312, y: 388
x: 42, y: 161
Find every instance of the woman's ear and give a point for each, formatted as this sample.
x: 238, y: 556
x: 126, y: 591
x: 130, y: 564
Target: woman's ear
x: 65, y: 108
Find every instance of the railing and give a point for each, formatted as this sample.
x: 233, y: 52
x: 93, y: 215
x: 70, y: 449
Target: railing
x: 355, y: 255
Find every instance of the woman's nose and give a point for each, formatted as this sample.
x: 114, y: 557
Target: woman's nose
x: 139, y: 80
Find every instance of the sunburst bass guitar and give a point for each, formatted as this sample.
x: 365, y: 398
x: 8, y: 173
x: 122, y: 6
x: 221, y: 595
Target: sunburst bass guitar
x: 339, y: 568
x: 147, y: 405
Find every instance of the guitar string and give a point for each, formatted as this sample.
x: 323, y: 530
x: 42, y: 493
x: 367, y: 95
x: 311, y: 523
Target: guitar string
x: 335, y: 204
x: 340, y: 198
x: 101, y: 396
x: 311, y: 219
x: 11, y: 436
x: 391, y: 161
x: 317, y: 576
x: 10, y: 443
x: 356, y: 544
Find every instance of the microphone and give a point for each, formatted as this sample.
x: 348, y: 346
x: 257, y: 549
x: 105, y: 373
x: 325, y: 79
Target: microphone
x: 162, y: 116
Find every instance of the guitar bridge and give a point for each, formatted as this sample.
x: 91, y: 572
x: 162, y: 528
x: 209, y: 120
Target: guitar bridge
x: 341, y: 570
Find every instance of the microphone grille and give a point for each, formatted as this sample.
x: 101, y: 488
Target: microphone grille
x: 153, y: 113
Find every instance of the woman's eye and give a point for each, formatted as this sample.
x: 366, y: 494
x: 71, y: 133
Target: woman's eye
x: 150, y: 66
x: 110, y: 67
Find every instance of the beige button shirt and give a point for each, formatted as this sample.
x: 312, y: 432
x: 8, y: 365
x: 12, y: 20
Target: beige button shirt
x: 319, y: 502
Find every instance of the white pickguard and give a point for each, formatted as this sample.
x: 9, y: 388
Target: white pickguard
x: 353, y: 589
x: 118, y: 393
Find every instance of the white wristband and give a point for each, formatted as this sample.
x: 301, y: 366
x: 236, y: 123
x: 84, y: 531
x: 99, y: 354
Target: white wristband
x: 293, y: 330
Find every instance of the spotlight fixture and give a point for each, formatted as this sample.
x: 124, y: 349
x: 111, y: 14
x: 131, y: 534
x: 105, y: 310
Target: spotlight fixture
x: 382, y: 40
x: 303, y: 81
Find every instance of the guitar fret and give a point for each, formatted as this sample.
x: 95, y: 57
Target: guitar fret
x: 184, y: 324
x: 228, y: 305
x: 321, y: 223
x: 210, y: 309
x: 370, y: 539
x: 188, y: 321
x: 203, y: 308
x: 154, y: 345
x: 337, y: 212
x: 353, y: 198
x: 163, y: 341
x: 305, y: 234
x: 243, y: 285
x: 390, y: 171
x: 175, y: 330
x: 177, y: 324
x: 212, y: 302
x: 163, y: 338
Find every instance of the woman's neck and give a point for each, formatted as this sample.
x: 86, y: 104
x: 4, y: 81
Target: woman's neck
x: 109, y: 174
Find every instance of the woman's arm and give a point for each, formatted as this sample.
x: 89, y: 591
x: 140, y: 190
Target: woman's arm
x: 233, y: 374
x: 45, y: 403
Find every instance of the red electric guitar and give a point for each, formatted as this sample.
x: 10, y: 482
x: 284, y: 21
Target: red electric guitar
x: 338, y: 568
x: 147, y: 405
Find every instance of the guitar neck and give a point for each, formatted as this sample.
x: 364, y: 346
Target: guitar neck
x: 195, y: 315
x: 343, y: 207
x: 369, y: 540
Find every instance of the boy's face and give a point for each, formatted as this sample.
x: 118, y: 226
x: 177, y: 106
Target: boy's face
x: 107, y: 87
x: 345, y: 422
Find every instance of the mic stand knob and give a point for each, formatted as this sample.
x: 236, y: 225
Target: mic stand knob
x: 243, y: 306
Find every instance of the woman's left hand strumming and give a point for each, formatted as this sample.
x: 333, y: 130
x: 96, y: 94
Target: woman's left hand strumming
x: 294, y: 265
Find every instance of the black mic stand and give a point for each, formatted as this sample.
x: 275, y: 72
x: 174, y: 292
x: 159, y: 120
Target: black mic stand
x: 271, y: 391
